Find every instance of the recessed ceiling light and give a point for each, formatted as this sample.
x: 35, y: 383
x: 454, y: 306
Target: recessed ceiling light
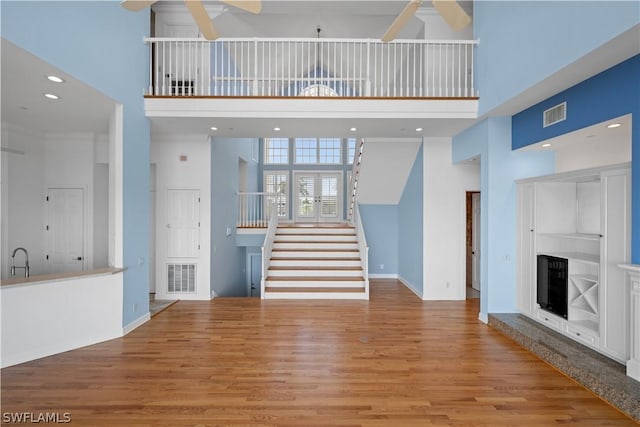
x: 51, y: 96
x: 547, y: 145
x: 418, y: 129
x: 276, y: 129
x: 55, y: 79
x: 214, y: 128
x: 614, y: 125
x: 353, y: 129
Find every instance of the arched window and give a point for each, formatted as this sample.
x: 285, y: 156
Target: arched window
x: 318, y: 90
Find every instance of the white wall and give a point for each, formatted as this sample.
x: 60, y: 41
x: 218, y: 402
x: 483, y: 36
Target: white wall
x: 591, y: 154
x: 445, y: 187
x: 171, y: 173
x: 385, y: 168
x: 23, y: 198
x: 57, y: 316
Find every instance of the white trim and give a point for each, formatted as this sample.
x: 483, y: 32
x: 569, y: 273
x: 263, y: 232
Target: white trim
x: 383, y: 276
x: 483, y: 317
x: 136, y: 323
x: 408, y: 285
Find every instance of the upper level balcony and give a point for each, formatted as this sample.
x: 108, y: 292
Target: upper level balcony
x: 347, y: 68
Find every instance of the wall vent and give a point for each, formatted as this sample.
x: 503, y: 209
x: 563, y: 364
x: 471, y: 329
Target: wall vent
x: 554, y: 115
x: 181, y: 278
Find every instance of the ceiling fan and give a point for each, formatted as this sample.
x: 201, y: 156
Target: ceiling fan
x: 198, y: 12
x: 450, y: 10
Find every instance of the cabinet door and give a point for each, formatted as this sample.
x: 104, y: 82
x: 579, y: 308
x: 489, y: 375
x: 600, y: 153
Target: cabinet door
x: 615, y: 249
x: 526, y: 249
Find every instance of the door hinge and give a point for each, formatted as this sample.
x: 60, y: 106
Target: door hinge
x: 47, y: 227
x: 47, y: 198
x: 198, y: 199
x: 47, y: 256
x: 198, y: 247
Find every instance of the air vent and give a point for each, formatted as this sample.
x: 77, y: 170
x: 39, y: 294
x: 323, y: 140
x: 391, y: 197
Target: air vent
x: 554, y: 115
x: 181, y: 278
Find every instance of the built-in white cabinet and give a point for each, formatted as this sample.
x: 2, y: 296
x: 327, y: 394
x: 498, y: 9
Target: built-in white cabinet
x: 584, y: 217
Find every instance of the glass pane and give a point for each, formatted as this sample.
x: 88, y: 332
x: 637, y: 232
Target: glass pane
x: 276, y: 151
x: 276, y: 183
x: 329, y: 150
x: 351, y: 150
x: 306, y: 150
x: 329, y: 205
x: 306, y: 193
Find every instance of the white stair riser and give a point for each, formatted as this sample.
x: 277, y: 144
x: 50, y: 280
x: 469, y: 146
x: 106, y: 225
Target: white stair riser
x: 318, y: 230
x: 313, y: 254
x: 316, y: 237
x: 315, y: 283
x: 314, y: 263
x: 315, y: 245
x: 316, y: 273
x: 316, y: 295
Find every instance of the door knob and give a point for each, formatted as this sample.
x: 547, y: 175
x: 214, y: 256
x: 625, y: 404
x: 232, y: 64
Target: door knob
x: 78, y: 258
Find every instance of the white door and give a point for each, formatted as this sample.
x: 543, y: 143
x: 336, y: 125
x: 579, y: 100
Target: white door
x: 183, y: 223
x: 475, y: 242
x: 318, y: 196
x: 65, y: 229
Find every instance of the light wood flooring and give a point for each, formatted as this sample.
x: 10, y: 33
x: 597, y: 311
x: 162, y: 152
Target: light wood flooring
x: 391, y: 361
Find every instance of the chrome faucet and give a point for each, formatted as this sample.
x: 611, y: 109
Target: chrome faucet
x: 26, y: 262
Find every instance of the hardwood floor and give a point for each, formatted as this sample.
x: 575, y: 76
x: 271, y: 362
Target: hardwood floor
x: 390, y: 361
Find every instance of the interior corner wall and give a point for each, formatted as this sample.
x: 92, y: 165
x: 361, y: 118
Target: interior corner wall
x: 410, y: 228
x: 500, y: 167
x: 91, y: 41
x: 173, y: 173
x: 228, y: 261
x: 380, y: 223
x: 613, y: 93
x: 524, y: 42
x: 445, y: 187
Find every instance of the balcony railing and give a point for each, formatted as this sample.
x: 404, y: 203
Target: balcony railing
x: 255, y: 210
x: 311, y: 67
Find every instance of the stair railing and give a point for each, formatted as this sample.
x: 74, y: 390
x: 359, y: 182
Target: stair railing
x: 267, y: 246
x: 354, y: 214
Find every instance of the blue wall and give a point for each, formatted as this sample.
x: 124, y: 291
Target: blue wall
x: 101, y: 44
x: 410, y: 230
x: 500, y: 167
x: 380, y: 224
x: 612, y: 93
x: 524, y: 42
x: 228, y: 261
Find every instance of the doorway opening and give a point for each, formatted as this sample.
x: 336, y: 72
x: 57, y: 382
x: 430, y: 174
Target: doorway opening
x: 473, y: 245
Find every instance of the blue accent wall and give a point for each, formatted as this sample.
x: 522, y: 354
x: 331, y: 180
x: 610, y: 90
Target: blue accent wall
x: 101, y: 44
x: 228, y: 261
x: 500, y: 167
x: 612, y: 93
x: 524, y: 42
x: 380, y: 224
x: 410, y: 230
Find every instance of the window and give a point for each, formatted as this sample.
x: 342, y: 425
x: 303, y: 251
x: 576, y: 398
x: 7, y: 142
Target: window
x: 318, y: 90
x: 276, y: 151
x: 318, y: 151
x: 276, y: 183
x: 351, y: 150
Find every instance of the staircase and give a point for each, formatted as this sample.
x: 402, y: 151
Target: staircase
x: 315, y: 262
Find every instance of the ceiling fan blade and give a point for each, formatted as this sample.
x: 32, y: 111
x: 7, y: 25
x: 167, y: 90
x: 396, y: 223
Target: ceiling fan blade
x: 202, y: 19
x: 136, y: 5
x: 402, y: 19
x: 453, y: 13
x: 253, y: 6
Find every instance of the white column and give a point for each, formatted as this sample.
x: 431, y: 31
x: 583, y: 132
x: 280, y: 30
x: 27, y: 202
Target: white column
x: 632, y: 275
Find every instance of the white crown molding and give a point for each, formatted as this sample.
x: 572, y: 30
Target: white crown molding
x: 179, y: 9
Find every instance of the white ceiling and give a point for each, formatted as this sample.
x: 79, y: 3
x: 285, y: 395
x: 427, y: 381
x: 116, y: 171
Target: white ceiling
x: 24, y: 83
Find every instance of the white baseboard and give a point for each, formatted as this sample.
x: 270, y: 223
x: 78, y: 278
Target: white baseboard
x: 136, y: 323
x: 483, y: 317
x: 406, y: 283
x: 383, y: 276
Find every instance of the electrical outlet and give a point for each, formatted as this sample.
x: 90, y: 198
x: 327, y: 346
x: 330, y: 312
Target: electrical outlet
x: 448, y: 284
x: 381, y: 266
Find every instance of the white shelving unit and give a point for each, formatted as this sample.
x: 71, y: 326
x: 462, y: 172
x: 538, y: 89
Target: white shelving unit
x: 583, y: 216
